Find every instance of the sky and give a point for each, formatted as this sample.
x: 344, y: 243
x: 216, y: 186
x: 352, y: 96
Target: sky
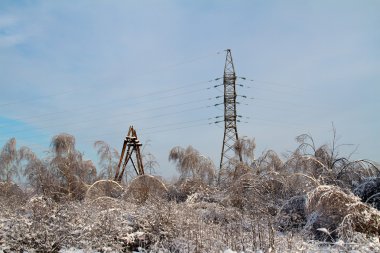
x: 92, y: 68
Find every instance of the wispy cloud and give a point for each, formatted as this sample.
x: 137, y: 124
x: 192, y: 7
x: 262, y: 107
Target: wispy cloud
x: 7, y: 21
x: 10, y: 33
x: 11, y: 39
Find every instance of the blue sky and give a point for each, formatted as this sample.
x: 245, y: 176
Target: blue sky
x: 93, y: 68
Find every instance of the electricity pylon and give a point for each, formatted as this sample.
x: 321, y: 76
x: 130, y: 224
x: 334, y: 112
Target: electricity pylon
x: 132, y: 142
x: 230, y: 129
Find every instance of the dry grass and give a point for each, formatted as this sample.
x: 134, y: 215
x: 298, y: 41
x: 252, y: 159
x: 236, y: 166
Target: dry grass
x: 331, y: 208
x: 259, y: 194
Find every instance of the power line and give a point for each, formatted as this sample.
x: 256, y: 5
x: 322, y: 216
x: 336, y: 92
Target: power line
x: 116, y: 116
x: 133, y: 98
x: 178, y: 128
x: 130, y: 120
x: 91, y: 141
x: 277, y: 84
x: 156, y: 108
x: 145, y: 131
x: 136, y: 103
x: 196, y: 101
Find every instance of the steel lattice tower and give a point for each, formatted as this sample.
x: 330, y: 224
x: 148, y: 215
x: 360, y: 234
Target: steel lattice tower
x: 230, y: 129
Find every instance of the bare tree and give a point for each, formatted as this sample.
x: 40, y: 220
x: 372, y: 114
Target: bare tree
x: 38, y: 175
x: 69, y: 171
x: 190, y: 163
x: 9, y: 161
x: 149, y: 160
x: 245, y: 147
x: 326, y: 165
x: 108, y: 158
x: 269, y: 161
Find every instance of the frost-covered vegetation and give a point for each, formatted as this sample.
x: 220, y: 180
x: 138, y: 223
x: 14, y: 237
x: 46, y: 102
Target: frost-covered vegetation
x: 311, y: 200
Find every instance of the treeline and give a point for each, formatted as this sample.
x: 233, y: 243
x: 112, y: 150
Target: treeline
x: 314, y: 192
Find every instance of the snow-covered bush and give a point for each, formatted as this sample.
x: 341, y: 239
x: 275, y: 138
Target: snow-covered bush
x: 369, y: 191
x: 144, y: 188
x: 303, y: 203
x: 330, y: 208
x: 292, y: 215
x: 104, y: 188
x: 257, y: 193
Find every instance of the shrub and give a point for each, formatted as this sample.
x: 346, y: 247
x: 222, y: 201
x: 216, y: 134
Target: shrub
x: 330, y: 208
x: 369, y: 191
